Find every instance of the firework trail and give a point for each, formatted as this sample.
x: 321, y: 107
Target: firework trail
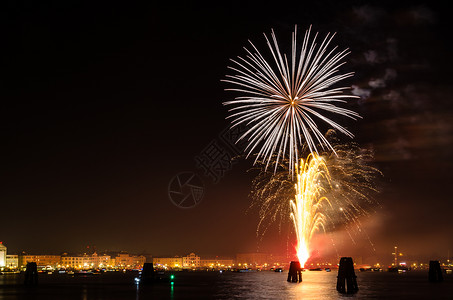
x: 282, y: 97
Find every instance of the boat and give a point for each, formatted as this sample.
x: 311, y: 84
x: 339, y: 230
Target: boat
x: 245, y: 270
x: 372, y: 270
x: 84, y: 273
x: 9, y: 272
x: 399, y: 269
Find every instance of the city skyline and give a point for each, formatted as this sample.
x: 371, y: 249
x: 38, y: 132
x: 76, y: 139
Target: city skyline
x: 387, y: 260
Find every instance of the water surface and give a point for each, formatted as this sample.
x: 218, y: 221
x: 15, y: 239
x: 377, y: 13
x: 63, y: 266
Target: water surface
x: 226, y: 285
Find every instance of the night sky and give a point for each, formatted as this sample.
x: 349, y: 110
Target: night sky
x: 102, y: 104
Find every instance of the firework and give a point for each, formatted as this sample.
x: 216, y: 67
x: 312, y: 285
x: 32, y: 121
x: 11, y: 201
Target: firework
x: 282, y: 97
x: 307, y: 208
x: 345, y: 188
x: 353, y: 184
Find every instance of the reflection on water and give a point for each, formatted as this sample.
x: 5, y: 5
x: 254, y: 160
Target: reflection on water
x: 322, y: 285
x: 227, y: 285
x: 84, y: 293
x: 271, y: 285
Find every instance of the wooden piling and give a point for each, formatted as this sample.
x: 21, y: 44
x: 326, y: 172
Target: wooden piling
x: 295, y: 272
x: 435, y: 272
x: 346, y: 279
x: 31, y: 274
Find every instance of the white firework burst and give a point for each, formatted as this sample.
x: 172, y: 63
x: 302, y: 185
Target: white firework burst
x: 281, y: 98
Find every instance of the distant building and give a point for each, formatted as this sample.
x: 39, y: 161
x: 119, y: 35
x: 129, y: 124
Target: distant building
x: 102, y: 261
x: 168, y: 262
x: 275, y: 260
x: 191, y: 261
x: 12, y: 261
x: 253, y: 259
x: 2, y: 255
x: 86, y: 261
x: 75, y: 262
x: 40, y: 260
x: 125, y: 260
x: 217, y: 263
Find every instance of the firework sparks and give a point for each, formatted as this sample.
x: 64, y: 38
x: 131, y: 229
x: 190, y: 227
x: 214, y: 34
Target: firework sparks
x: 308, y: 206
x: 353, y: 183
x: 282, y: 97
